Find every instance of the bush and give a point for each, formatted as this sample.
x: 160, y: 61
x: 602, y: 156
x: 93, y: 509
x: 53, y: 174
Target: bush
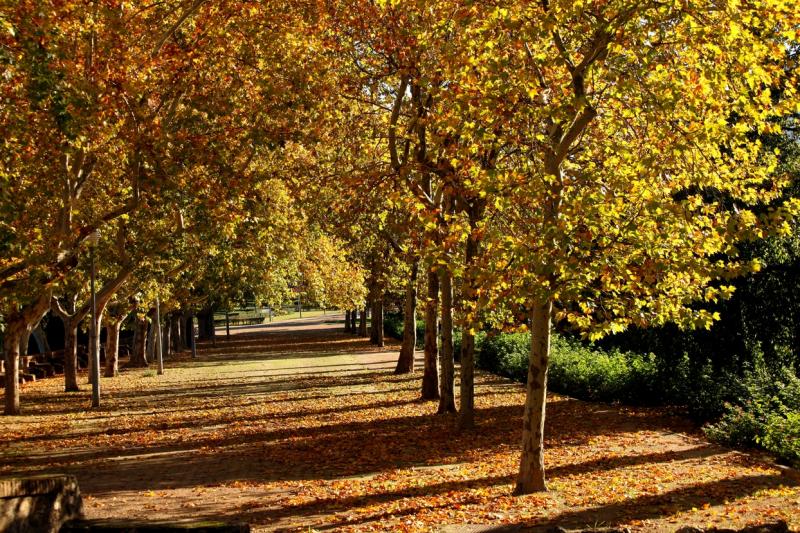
x: 765, y: 414
x: 393, y: 327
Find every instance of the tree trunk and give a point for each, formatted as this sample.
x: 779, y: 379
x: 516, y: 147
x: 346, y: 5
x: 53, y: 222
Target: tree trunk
x: 447, y: 402
x: 347, y: 321
x: 71, y: 356
x: 187, y: 323
x: 139, y: 352
x: 405, y: 362
x: 376, y: 329
x: 353, y: 316
x: 113, y: 325
x: 175, y: 319
x: 24, y: 341
x: 430, y: 377
x: 466, y: 411
x: 12, y: 336
x: 183, y: 338
x: 362, y: 324
x: 167, y: 337
x: 151, y: 344
x: 531, y: 468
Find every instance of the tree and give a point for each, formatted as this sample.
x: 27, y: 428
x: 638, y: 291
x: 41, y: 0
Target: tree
x: 631, y: 163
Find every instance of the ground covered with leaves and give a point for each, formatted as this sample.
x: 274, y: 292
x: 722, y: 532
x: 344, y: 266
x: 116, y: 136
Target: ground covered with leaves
x: 299, y: 426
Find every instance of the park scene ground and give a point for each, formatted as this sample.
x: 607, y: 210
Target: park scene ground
x: 299, y: 426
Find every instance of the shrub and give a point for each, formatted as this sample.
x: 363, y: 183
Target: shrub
x: 766, y: 413
x: 393, y: 327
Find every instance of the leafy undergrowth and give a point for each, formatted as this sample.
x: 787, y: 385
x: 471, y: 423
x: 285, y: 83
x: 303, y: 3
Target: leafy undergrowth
x: 307, y: 428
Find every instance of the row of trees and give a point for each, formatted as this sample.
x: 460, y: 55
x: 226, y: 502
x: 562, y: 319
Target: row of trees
x: 592, y: 162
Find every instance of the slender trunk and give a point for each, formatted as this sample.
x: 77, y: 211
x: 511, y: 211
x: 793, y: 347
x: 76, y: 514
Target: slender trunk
x: 167, y: 337
x: 447, y: 402
x: 362, y: 324
x: 151, y: 345
x: 183, y: 337
x: 176, y: 332
x: 405, y: 362
x: 531, y: 469
x: 71, y: 356
x: 113, y: 325
x: 353, y: 316
x: 139, y: 352
x: 430, y: 377
x: 158, y: 339
x: 12, y: 335
x: 188, y: 328
x: 347, y: 321
x: 466, y: 411
x: 376, y: 329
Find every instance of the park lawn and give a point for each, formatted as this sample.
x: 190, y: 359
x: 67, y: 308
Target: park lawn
x: 303, y: 427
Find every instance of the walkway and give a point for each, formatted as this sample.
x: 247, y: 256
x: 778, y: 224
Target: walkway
x: 291, y: 426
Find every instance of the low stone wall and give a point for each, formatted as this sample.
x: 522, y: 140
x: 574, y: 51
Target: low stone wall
x: 156, y: 526
x: 39, y: 504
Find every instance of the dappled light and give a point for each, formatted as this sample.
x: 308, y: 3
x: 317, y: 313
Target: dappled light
x: 331, y: 438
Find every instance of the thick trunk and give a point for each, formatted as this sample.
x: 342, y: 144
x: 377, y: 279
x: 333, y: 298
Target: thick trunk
x: 24, y: 341
x: 405, y: 362
x: 376, y: 327
x: 466, y: 411
x: 187, y: 323
x: 347, y: 321
x: 112, y: 347
x: 71, y: 356
x: 447, y: 403
x: 12, y: 335
x: 531, y: 468
x: 362, y: 323
x: 138, y: 352
x: 430, y: 377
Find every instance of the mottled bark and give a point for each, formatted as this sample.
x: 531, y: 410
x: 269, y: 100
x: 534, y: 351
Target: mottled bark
x: 466, y: 411
x: 138, y: 352
x: 405, y: 362
x: 17, y: 324
x: 71, y: 357
x: 430, y: 377
x: 113, y: 325
x: 11, y: 338
x: 531, y: 476
x: 447, y: 402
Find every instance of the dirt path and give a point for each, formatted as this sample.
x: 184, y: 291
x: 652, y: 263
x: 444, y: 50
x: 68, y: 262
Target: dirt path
x: 291, y: 426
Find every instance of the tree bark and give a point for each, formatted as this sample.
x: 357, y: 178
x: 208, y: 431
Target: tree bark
x: 113, y: 325
x: 167, y: 337
x: 430, y: 377
x: 353, y: 317
x: 11, y: 340
x: 376, y: 328
x: 466, y: 412
x: 71, y: 356
x: 138, y: 352
x: 347, y: 321
x: 19, y: 323
x: 447, y: 402
x: 405, y: 362
x: 176, y: 332
x: 531, y: 476
x: 362, y: 324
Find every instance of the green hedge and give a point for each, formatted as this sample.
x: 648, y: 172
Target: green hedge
x: 393, y: 327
